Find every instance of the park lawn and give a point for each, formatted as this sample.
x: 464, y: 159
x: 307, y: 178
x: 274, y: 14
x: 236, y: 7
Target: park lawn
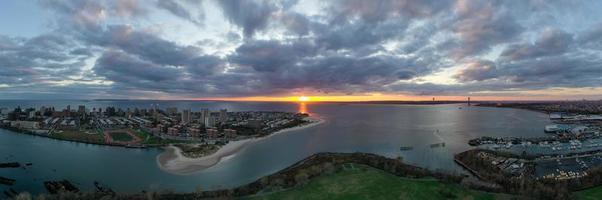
x: 78, y: 136
x: 363, y: 182
x: 121, y: 136
x: 589, y: 194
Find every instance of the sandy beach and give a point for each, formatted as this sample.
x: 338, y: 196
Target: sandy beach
x: 172, y: 160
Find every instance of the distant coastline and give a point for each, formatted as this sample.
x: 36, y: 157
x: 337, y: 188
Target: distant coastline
x: 172, y: 160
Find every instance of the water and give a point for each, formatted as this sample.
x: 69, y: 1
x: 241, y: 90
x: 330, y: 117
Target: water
x: 379, y: 129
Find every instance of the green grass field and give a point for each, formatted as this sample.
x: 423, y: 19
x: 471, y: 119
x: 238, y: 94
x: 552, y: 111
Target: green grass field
x: 142, y: 134
x: 589, y: 194
x: 363, y: 182
x: 78, y: 135
x: 121, y: 136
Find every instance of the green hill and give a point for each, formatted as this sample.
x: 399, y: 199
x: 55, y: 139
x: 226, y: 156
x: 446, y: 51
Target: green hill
x: 363, y: 182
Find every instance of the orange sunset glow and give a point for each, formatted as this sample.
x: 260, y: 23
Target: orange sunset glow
x: 379, y: 97
x: 304, y: 98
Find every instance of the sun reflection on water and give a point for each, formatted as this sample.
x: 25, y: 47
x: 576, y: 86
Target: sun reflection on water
x: 303, y: 108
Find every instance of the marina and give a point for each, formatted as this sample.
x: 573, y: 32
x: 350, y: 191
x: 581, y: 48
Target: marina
x: 572, y: 148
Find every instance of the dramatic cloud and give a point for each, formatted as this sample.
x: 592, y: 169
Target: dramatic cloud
x: 180, y: 9
x: 222, y: 48
x: 551, y: 42
x: 251, y: 15
x: 479, y: 70
x: 37, y: 60
x: 481, y: 25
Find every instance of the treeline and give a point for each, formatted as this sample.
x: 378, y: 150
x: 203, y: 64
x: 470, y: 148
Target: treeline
x: 316, y: 165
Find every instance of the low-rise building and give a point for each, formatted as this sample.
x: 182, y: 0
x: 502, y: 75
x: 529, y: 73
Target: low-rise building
x: 212, y: 133
x: 194, y: 132
x: 25, y: 124
x: 230, y: 133
x: 173, y: 131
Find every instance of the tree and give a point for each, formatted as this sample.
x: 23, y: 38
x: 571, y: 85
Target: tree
x: 301, y: 177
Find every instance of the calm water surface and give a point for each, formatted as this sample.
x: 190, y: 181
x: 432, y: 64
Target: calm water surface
x: 379, y: 129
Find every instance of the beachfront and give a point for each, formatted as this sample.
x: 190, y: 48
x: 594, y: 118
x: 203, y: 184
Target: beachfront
x: 173, y: 161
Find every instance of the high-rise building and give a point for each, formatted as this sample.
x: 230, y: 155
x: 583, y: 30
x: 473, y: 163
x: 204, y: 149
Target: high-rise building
x: 186, y: 116
x: 171, y: 111
x: 81, y: 109
x: 223, y: 115
x: 204, y: 116
x: 210, y: 122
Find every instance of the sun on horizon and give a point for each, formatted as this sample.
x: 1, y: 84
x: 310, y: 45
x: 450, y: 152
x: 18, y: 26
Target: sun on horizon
x: 303, y: 99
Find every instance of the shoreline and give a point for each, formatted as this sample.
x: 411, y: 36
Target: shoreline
x: 172, y: 161
x: 30, y: 133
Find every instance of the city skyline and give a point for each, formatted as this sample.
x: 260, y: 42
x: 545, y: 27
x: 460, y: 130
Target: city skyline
x: 283, y: 50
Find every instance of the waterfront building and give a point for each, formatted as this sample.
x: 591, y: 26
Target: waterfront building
x: 212, y: 133
x: 254, y: 123
x: 230, y: 133
x: 25, y: 124
x: 194, y: 132
x: 155, y: 115
x: 186, y: 116
x: 173, y: 130
x: 204, y: 115
x: 209, y: 122
x: 81, y: 110
x: 223, y: 116
x: 171, y: 111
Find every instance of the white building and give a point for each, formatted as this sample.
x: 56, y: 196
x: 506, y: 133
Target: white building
x: 25, y: 124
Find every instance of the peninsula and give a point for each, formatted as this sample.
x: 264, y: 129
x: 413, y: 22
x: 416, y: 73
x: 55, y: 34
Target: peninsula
x: 194, y: 134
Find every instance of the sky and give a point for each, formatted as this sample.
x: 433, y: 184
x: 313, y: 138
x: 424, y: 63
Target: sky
x: 348, y: 50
